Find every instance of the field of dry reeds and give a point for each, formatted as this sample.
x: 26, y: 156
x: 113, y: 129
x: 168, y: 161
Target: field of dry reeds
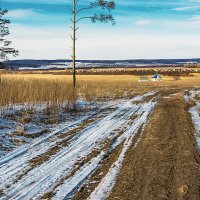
x: 30, y: 89
x: 57, y: 89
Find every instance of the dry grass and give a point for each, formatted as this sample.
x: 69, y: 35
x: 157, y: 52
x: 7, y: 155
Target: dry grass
x: 56, y: 89
x: 16, y: 89
x: 19, y: 89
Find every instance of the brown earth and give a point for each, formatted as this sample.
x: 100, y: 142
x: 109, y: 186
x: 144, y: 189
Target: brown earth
x: 166, y: 163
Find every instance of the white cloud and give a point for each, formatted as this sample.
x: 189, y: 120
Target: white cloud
x: 21, y: 13
x: 186, y: 8
x: 55, y: 43
x: 143, y: 22
x: 40, y: 42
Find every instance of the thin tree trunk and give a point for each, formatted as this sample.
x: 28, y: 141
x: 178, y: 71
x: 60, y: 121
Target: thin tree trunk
x: 74, y: 44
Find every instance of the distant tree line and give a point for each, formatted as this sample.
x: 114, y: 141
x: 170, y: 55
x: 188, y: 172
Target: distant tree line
x: 143, y: 72
x: 193, y: 65
x: 176, y: 73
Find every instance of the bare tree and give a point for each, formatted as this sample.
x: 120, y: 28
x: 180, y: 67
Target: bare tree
x: 103, y: 17
x: 5, y: 49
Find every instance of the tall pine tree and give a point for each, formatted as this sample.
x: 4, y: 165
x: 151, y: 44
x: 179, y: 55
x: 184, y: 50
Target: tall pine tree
x: 102, y: 17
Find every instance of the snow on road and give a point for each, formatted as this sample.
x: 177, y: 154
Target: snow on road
x: 16, y: 162
x: 45, y: 177
x: 195, y: 112
x: 104, y: 188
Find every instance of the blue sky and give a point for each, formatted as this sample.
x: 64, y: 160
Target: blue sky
x: 144, y: 29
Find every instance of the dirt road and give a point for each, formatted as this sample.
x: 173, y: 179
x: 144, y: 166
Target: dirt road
x: 140, y: 148
x: 166, y: 163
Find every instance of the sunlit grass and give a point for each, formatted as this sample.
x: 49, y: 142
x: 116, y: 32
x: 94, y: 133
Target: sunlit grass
x: 56, y: 89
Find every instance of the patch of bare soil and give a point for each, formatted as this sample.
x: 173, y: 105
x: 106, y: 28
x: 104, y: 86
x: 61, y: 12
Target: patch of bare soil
x: 27, y: 135
x: 166, y: 163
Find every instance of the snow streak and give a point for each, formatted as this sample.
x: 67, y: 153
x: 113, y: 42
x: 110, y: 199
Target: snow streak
x: 195, y: 112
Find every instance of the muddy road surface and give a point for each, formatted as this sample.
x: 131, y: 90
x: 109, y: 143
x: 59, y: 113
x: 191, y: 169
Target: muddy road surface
x: 166, y: 163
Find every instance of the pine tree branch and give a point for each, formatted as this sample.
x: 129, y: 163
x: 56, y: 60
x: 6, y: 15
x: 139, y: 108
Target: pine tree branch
x: 83, y: 18
x: 86, y: 8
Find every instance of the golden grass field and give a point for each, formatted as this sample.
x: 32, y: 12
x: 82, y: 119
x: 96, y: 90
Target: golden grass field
x: 31, y: 88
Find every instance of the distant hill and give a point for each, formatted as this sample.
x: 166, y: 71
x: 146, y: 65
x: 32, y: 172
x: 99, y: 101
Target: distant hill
x: 82, y: 64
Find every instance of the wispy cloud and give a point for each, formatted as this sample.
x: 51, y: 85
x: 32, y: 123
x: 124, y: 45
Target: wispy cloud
x: 21, y: 13
x: 53, y: 43
x: 143, y: 22
x: 186, y: 8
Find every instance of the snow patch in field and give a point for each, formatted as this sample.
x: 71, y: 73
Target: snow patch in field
x: 21, y: 124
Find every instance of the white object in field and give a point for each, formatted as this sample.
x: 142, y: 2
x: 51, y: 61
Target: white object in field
x: 155, y: 78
